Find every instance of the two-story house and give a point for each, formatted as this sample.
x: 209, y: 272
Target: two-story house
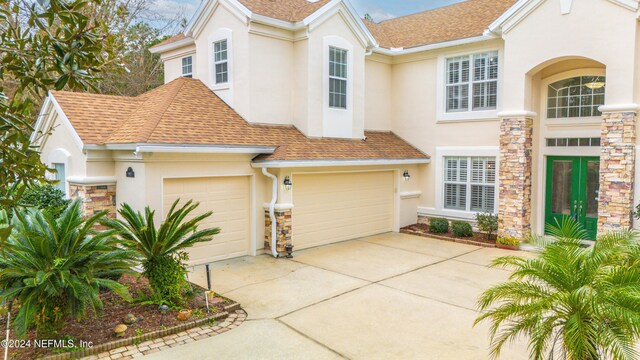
x: 298, y: 122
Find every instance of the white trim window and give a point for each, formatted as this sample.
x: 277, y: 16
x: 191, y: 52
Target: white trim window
x: 575, y: 97
x: 60, y: 176
x: 221, y: 61
x: 187, y: 66
x: 470, y: 183
x: 337, y: 78
x: 472, y: 82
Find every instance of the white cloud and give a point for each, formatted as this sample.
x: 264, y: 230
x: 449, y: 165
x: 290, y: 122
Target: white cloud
x: 379, y: 14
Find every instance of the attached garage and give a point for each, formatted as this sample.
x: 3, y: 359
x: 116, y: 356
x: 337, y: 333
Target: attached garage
x: 229, y: 199
x: 341, y: 206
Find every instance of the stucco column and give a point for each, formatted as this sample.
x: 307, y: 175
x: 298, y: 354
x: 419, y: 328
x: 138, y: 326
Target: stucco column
x: 514, y: 207
x: 617, y: 169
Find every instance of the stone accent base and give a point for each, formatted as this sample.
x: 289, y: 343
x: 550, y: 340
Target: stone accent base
x: 95, y: 198
x: 617, y: 170
x: 514, y: 208
x: 283, y: 230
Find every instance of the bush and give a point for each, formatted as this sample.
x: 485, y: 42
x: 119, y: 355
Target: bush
x: 509, y: 241
x: 162, y: 250
x: 439, y: 225
x: 54, y: 268
x: 45, y: 197
x: 487, y: 223
x: 461, y: 229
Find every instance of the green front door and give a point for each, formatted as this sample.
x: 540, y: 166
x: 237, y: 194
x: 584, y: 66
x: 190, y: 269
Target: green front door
x: 572, y: 190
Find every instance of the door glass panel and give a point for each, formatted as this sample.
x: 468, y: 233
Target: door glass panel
x: 561, y: 187
x: 593, y: 186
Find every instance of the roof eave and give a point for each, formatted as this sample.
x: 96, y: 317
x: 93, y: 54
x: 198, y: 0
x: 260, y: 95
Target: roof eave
x: 402, y: 51
x: 334, y: 162
x: 184, y: 148
x: 172, y: 46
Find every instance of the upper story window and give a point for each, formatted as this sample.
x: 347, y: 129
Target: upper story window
x: 472, y: 82
x: 187, y: 66
x: 337, y: 78
x: 579, y: 96
x: 221, y: 61
x: 470, y: 183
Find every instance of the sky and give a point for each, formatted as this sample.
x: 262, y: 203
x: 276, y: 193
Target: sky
x: 378, y: 9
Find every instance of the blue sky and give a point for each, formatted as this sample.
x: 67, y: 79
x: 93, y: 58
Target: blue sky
x: 378, y: 9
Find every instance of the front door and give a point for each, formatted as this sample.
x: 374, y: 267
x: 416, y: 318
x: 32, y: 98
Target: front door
x: 572, y: 190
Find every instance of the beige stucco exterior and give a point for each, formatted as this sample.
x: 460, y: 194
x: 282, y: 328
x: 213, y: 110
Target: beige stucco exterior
x: 279, y: 76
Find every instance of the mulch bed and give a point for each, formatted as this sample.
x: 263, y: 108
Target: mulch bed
x: 479, y: 239
x: 99, y: 329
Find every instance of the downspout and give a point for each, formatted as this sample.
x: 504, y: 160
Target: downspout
x: 272, y: 215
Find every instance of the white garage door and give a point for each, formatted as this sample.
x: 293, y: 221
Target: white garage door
x: 341, y: 206
x: 228, y: 198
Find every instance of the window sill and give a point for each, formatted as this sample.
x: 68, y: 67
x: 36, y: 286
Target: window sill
x: 468, y: 116
x: 586, y: 121
x: 225, y: 86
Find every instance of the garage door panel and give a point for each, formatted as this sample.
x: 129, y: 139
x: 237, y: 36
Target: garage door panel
x: 341, y: 206
x: 228, y: 198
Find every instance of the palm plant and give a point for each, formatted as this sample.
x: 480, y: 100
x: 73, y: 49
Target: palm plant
x: 55, y: 267
x: 572, y: 302
x: 162, y: 249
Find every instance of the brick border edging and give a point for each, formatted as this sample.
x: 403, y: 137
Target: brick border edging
x: 446, y: 238
x: 144, y: 337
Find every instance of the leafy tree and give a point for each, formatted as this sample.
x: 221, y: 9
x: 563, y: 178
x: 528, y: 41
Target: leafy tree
x: 571, y: 302
x: 44, y: 45
x: 55, y: 268
x: 162, y: 249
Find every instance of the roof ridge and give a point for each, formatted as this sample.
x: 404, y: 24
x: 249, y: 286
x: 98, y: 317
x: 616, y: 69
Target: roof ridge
x: 163, y: 109
x: 82, y: 93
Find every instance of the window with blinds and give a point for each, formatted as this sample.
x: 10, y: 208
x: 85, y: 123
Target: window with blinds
x: 470, y: 183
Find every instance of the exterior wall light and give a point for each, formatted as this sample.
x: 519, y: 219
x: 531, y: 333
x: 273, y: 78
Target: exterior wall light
x: 406, y: 175
x: 130, y: 173
x: 287, y: 183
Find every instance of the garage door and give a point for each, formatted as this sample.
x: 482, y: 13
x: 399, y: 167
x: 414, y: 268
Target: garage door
x: 228, y: 198
x: 341, y: 206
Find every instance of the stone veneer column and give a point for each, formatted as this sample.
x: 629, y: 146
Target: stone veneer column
x: 283, y: 229
x: 95, y: 198
x: 617, y: 170
x: 514, y: 207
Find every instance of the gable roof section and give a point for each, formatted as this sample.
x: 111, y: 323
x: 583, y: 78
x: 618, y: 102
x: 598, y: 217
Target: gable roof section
x: 287, y: 10
x: 458, y: 21
x: 186, y: 112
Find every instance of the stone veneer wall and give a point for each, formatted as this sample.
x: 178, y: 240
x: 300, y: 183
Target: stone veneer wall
x: 95, y: 198
x: 514, y: 208
x: 617, y: 170
x: 283, y: 229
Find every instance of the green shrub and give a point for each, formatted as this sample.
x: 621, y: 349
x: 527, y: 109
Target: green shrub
x: 509, y: 241
x: 45, y: 197
x: 54, y: 268
x: 161, y: 249
x: 461, y: 229
x: 439, y: 225
x: 487, y: 223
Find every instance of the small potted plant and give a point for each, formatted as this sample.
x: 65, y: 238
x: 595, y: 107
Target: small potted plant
x: 509, y: 243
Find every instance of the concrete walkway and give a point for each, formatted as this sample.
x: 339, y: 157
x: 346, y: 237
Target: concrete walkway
x: 390, y: 296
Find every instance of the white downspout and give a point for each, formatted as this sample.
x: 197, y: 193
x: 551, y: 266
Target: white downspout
x: 272, y: 215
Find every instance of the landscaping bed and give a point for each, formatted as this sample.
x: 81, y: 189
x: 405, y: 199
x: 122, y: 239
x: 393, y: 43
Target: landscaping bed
x: 479, y: 239
x: 99, y: 329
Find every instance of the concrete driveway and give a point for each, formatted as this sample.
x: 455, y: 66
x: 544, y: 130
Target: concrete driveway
x: 390, y: 296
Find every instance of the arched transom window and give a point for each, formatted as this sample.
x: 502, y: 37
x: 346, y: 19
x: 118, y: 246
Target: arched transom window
x: 578, y: 96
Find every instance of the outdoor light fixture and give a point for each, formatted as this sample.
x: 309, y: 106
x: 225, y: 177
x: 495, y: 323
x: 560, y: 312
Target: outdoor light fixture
x: 287, y: 183
x: 130, y: 172
x: 289, y: 249
x: 406, y: 175
x: 163, y: 310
